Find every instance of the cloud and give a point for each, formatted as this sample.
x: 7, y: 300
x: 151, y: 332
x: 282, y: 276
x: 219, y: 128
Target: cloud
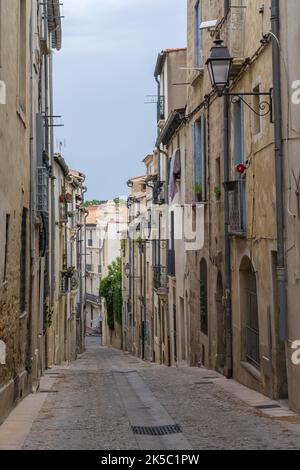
x: 75, y: 8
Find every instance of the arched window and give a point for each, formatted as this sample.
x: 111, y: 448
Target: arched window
x: 203, y: 297
x: 250, y: 312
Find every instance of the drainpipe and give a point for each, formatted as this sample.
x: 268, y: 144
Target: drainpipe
x: 281, y: 269
x: 227, y: 249
x: 226, y: 7
x: 52, y: 187
x: 31, y: 336
x: 85, y: 258
x: 159, y: 235
x: 46, y: 89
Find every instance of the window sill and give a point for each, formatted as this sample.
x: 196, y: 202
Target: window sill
x: 252, y: 370
x: 197, y: 75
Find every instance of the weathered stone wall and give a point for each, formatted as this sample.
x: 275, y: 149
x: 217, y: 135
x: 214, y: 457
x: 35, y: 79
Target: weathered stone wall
x: 14, y: 197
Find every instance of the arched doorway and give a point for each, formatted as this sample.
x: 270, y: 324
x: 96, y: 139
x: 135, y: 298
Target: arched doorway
x: 221, y: 326
x: 250, y: 314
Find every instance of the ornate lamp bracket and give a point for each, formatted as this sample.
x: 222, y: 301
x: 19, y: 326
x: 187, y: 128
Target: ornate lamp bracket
x: 265, y: 105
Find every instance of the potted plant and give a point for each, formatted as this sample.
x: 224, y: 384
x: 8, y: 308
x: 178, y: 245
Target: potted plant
x: 198, y: 191
x: 217, y: 191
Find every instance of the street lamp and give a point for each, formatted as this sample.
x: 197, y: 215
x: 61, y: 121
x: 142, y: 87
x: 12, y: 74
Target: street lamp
x: 127, y: 270
x: 219, y: 66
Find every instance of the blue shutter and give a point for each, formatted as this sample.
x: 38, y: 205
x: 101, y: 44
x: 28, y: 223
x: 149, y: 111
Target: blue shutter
x: 238, y: 133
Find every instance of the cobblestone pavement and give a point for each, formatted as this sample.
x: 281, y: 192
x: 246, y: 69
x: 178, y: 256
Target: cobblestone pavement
x: 96, y: 400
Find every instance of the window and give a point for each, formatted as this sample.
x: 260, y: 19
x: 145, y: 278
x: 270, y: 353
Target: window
x: 92, y: 313
x: 250, y: 307
x: 22, y: 54
x: 6, y: 246
x: 239, y: 157
x: 203, y: 297
x: 256, y: 107
x: 199, y: 160
x: 156, y: 322
x: 171, y: 255
x: 23, y: 262
x: 198, y: 55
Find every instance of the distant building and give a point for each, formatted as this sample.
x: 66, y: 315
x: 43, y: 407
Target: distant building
x: 104, y: 226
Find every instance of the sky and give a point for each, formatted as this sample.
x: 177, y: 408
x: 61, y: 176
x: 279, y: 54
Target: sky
x: 102, y: 77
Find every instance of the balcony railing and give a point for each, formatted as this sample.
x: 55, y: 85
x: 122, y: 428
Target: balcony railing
x: 161, y: 113
x: 63, y: 212
x: 158, y: 193
x: 94, y: 299
x: 64, y: 283
x: 237, y: 207
x: 160, y: 277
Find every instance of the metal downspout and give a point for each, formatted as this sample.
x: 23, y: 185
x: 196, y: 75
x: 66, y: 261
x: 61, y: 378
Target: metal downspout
x: 46, y: 87
x: 227, y: 249
x: 53, y: 214
x: 31, y: 346
x: 159, y: 236
x: 281, y: 269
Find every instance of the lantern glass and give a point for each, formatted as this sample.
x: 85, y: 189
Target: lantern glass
x: 220, y: 72
x: 219, y: 64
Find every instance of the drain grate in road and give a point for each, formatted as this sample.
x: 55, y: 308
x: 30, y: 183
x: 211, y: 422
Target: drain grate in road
x: 156, y: 430
x: 267, y: 407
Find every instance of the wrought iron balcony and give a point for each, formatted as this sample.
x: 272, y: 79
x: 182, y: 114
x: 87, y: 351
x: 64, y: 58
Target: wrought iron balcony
x: 94, y: 299
x: 63, y: 212
x: 160, y: 277
x: 158, y: 193
x: 161, y: 114
x: 64, y: 283
x: 237, y: 207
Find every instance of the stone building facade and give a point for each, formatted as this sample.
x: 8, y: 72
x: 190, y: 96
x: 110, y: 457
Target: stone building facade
x: 229, y: 301
x: 31, y: 313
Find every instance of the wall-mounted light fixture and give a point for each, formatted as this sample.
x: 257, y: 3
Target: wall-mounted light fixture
x: 219, y: 66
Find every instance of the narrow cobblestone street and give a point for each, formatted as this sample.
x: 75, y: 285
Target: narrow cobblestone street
x: 93, y: 403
